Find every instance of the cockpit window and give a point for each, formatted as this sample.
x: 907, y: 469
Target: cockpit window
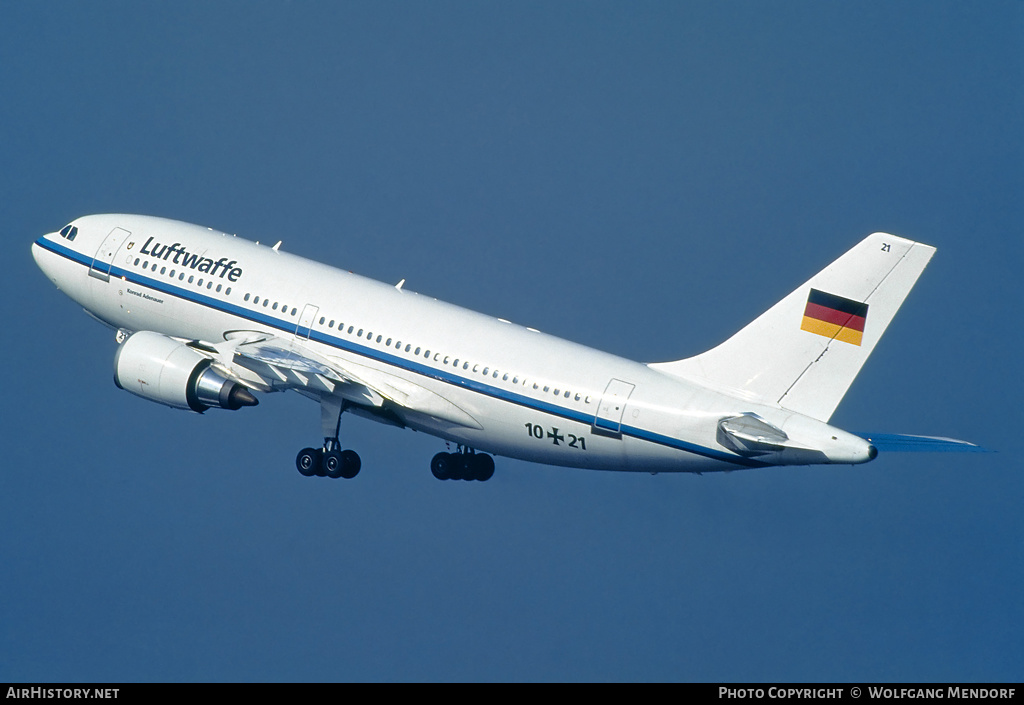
x: 69, y: 232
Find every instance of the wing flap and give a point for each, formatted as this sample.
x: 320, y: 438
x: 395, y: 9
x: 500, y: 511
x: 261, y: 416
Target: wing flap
x: 410, y: 395
x: 286, y: 364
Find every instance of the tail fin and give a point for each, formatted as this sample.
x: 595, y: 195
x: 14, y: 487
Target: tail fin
x: 806, y: 350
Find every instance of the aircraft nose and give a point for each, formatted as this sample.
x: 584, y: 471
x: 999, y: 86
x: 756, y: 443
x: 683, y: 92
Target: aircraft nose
x: 37, y: 254
x: 43, y: 258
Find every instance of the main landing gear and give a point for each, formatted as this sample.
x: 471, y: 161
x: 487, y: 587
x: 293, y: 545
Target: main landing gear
x: 466, y: 464
x: 328, y: 462
x: 331, y: 460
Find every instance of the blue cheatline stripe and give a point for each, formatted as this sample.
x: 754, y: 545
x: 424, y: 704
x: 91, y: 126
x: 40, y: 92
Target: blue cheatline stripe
x: 393, y: 360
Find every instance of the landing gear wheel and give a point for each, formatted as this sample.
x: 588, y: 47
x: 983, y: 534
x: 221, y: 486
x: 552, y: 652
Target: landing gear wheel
x: 333, y: 464
x: 350, y: 464
x: 483, y: 467
x: 308, y: 461
x: 441, y: 466
x: 459, y: 468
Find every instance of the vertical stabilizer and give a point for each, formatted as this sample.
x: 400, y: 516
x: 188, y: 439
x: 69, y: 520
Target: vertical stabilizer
x: 805, y: 351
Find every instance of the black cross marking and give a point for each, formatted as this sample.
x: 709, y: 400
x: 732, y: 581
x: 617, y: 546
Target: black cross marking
x: 555, y: 435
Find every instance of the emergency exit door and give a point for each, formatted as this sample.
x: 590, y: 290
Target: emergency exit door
x: 105, y: 254
x: 608, y: 420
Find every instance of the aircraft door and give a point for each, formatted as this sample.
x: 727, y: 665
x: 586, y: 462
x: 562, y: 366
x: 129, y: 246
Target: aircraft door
x: 105, y: 254
x: 305, y: 324
x: 608, y: 420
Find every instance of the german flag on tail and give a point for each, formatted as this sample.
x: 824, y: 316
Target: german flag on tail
x: 835, y: 317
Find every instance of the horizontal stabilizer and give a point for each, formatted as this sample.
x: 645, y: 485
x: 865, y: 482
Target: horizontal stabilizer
x: 749, y: 434
x: 898, y: 442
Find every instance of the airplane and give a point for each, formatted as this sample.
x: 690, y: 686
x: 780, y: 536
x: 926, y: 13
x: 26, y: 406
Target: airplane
x: 205, y: 319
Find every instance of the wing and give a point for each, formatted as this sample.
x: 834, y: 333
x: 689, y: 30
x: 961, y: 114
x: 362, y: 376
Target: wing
x: 271, y: 363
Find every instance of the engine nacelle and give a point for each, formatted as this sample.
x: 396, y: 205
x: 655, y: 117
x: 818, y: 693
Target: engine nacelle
x: 163, y: 370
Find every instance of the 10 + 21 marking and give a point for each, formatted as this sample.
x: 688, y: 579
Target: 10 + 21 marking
x: 537, y: 431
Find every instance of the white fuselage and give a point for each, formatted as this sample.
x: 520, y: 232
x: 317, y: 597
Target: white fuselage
x: 534, y: 396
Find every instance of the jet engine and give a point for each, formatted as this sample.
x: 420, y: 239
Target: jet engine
x: 161, y: 369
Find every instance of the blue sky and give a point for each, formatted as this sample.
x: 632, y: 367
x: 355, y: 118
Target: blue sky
x: 641, y: 177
